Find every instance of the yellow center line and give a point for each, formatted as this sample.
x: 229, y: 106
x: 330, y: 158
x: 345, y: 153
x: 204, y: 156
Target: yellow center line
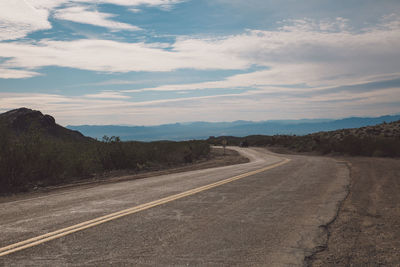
x: 103, y: 219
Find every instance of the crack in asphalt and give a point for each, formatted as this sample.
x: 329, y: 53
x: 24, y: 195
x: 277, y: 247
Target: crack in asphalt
x: 308, y: 260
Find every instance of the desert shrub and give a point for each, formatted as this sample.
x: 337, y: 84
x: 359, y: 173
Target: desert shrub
x: 33, y: 159
x: 323, y: 143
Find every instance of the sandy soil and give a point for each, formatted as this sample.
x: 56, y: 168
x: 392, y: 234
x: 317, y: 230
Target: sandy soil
x: 366, y: 231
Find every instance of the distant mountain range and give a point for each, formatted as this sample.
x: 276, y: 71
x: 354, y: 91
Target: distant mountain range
x: 203, y: 130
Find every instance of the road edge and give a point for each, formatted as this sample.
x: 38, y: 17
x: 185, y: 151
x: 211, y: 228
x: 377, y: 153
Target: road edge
x: 309, y: 259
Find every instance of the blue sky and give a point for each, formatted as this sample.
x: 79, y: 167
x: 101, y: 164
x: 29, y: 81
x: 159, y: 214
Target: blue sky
x: 147, y: 62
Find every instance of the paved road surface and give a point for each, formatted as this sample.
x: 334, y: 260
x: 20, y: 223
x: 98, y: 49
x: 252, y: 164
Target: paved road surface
x: 270, y: 218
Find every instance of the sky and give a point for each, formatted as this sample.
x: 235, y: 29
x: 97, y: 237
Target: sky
x: 150, y: 62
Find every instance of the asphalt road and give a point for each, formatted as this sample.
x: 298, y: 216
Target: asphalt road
x: 268, y: 215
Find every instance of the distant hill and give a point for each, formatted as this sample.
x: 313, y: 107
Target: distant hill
x: 23, y: 120
x: 202, y: 130
x: 385, y: 130
x: 382, y: 140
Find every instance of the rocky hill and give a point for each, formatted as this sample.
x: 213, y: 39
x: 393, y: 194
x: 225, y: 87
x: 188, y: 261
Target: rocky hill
x: 385, y: 130
x: 23, y: 120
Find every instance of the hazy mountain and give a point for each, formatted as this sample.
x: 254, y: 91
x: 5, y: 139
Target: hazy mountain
x: 202, y: 130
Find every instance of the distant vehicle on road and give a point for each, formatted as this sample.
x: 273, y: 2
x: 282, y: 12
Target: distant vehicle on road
x: 244, y: 144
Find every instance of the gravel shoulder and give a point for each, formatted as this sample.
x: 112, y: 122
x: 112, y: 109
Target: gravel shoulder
x: 366, y: 231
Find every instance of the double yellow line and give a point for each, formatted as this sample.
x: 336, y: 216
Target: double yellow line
x: 103, y: 219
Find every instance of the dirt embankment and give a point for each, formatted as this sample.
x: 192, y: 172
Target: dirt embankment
x: 367, y: 229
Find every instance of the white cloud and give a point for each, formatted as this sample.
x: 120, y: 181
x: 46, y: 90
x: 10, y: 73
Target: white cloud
x: 303, y: 52
x: 320, y: 57
x: 18, y: 18
x: 81, y: 14
x: 107, y: 95
x: 338, y: 25
x: 302, y: 55
x: 165, y: 4
x: 134, y: 10
x: 16, y: 74
x: 295, y: 56
x: 109, y: 56
x: 257, y: 106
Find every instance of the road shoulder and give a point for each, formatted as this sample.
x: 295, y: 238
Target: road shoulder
x: 367, y: 228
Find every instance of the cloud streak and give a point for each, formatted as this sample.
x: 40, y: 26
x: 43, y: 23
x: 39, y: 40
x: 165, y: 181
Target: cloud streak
x: 294, y: 55
x: 105, y: 108
x: 18, y: 18
x: 107, y: 95
x: 17, y: 74
x: 81, y: 14
x: 321, y: 68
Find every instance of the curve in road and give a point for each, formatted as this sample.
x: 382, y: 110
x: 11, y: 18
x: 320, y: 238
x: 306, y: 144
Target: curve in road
x: 279, y: 208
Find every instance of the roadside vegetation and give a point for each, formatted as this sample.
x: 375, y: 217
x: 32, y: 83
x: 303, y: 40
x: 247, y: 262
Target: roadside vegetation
x: 382, y: 140
x: 34, y: 158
